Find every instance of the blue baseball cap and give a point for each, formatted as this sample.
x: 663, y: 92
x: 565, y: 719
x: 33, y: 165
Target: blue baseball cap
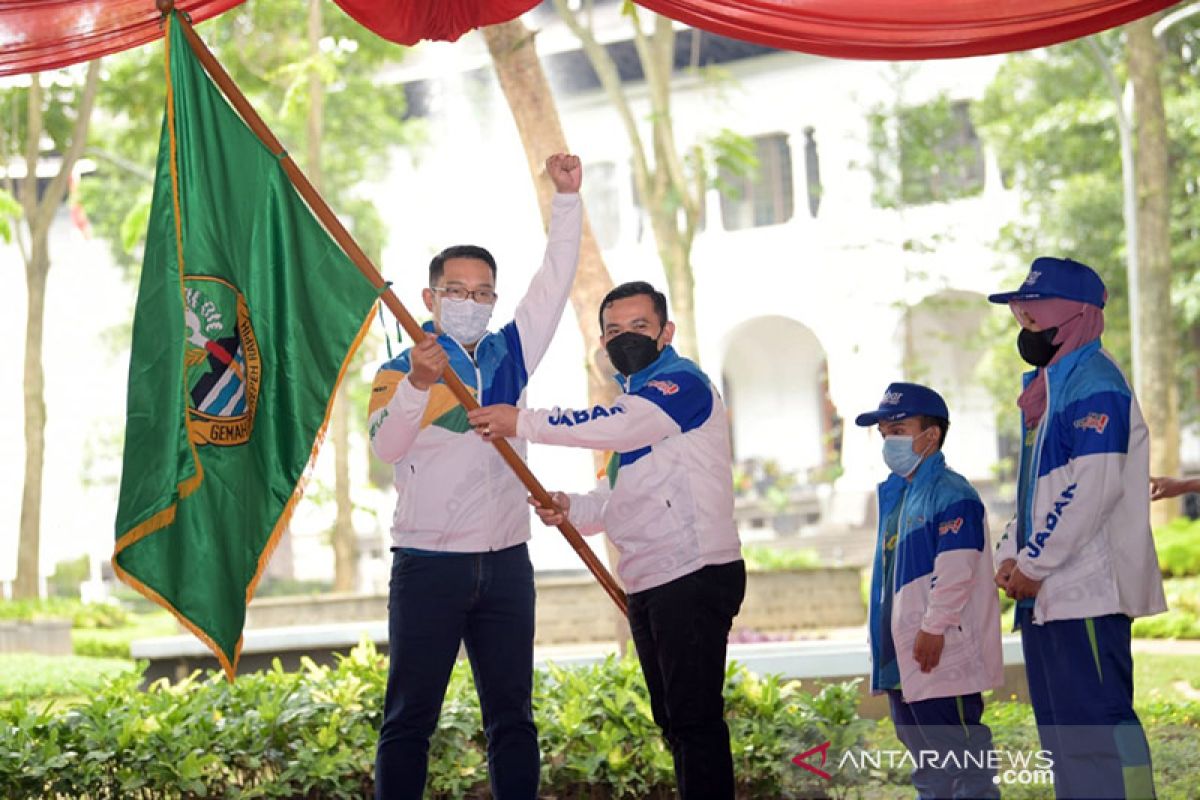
x: 903, y: 400
x: 1058, y: 277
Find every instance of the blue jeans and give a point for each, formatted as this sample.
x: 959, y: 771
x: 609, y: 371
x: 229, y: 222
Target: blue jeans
x: 949, y: 727
x: 681, y: 630
x: 437, y: 601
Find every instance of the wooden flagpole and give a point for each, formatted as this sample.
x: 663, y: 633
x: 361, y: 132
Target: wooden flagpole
x: 335, y: 228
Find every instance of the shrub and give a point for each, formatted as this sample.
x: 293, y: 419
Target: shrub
x: 1178, y: 545
x: 768, y: 559
x: 103, y: 642
x: 32, y: 675
x: 312, y: 734
x: 68, y: 576
x: 82, y: 615
x: 1182, y: 620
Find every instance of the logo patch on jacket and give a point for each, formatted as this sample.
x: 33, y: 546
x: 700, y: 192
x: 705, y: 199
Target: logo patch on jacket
x: 1093, y: 421
x: 1034, y: 547
x: 571, y: 418
x: 666, y: 387
x: 953, y: 526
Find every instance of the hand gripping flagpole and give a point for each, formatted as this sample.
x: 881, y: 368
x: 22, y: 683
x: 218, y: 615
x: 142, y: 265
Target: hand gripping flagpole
x: 371, y: 273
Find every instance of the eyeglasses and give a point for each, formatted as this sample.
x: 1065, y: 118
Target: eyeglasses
x: 485, y: 296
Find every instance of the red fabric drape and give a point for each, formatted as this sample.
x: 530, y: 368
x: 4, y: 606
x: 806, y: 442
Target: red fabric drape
x: 44, y: 34
x: 37, y: 35
x: 905, y: 29
x: 410, y: 21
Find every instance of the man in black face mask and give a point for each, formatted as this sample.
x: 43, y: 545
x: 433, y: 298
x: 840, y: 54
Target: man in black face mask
x: 667, y: 505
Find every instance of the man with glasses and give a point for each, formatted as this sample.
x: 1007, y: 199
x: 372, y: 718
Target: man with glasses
x: 667, y: 505
x: 460, y: 568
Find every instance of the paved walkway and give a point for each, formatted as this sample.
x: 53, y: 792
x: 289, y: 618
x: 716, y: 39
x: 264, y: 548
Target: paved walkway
x: 1180, y: 647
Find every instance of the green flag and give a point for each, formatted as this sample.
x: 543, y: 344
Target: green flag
x: 247, y: 315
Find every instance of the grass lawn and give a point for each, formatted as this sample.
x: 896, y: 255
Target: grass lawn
x: 1162, y: 695
x: 114, y: 642
x: 33, y: 676
x: 1164, y: 677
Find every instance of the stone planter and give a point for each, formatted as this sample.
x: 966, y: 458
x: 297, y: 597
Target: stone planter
x: 50, y: 637
x: 576, y: 609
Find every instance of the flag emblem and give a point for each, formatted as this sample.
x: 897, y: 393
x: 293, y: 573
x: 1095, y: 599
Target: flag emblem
x: 223, y: 360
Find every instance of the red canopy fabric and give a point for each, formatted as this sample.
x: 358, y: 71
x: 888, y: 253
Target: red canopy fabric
x: 37, y: 35
x: 45, y: 34
x: 905, y: 29
x: 408, y: 22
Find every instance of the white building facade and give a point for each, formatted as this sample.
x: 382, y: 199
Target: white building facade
x: 807, y: 294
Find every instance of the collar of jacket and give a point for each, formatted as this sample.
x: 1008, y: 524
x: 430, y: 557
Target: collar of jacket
x: 1057, y: 372
x: 667, y: 358
x: 929, y: 468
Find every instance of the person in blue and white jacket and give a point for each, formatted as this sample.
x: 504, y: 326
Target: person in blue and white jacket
x: 667, y: 505
x: 460, y: 570
x: 1079, y: 556
x: 935, y: 616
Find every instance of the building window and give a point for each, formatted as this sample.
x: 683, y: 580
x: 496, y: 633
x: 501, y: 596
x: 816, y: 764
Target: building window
x: 603, y: 207
x: 812, y: 172
x: 763, y: 197
x: 926, y: 154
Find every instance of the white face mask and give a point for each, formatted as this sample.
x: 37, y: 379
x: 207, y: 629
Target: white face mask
x: 464, y: 321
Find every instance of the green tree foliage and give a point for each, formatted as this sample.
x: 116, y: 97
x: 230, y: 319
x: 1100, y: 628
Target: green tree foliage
x: 1051, y: 118
x: 264, y: 48
x: 10, y: 209
x: 924, y: 153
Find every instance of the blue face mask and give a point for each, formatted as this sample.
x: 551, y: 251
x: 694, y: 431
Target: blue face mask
x: 899, y: 456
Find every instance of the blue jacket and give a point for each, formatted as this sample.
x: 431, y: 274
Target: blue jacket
x: 1084, y: 530
x: 942, y: 584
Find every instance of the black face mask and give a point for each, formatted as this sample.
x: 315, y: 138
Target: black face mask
x: 631, y: 352
x: 1037, y: 348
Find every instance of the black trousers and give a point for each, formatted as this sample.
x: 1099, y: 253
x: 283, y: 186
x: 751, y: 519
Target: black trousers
x: 681, y: 630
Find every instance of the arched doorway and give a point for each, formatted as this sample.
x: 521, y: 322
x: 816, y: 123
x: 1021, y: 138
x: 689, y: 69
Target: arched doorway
x: 776, y: 386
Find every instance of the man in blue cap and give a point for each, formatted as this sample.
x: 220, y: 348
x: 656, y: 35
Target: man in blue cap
x: 1078, y: 556
x: 935, y: 616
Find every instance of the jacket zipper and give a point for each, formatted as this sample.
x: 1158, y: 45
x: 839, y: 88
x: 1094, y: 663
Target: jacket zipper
x: 1037, y: 464
x: 479, y: 399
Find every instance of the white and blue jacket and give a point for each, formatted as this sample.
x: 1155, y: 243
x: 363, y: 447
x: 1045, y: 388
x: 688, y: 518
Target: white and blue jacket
x: 454, y: 491
x: 667, y: 499
x: 1084, y: 529
x: 942, y: 584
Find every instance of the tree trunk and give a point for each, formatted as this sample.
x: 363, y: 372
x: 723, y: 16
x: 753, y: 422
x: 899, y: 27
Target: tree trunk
x: 1157, y: 386
x: 38, y: 214
x: 1128, y: 198
x: 345, y: 545
x: 533, y: 109
x: 532, y: 105
x: 28, y: 548
x: 665, y: 178
x: 681, y: 287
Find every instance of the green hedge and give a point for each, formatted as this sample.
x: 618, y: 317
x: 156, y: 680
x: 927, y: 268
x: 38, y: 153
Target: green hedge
x: 82, y: 615
x: 32, y: 675
x: 1182, y: 621
x: 312, y: 734
x: 115, y: 642
x: 1178, y: 545
x: 769, y: 559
